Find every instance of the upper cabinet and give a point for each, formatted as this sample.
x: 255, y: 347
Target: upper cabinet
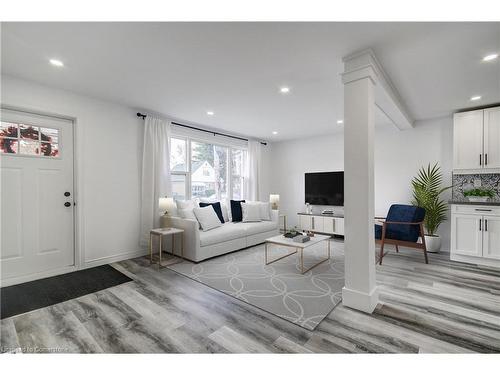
x: 476, y: 141
x: 492, y: 137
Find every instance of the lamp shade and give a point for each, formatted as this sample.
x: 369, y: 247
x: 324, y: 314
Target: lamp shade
x: 274, y: 199
x: 165, y: 204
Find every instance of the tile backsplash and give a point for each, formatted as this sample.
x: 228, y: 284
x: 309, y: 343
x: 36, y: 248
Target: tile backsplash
x: 463, y: 182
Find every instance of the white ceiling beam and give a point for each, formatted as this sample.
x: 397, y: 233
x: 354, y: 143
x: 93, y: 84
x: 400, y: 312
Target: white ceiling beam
x: 387, y: 98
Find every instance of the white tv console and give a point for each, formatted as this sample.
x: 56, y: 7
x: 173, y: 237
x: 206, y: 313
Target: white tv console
x: 320, y: 223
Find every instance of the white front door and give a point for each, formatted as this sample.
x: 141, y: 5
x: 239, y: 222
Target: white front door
x: 37, y: 221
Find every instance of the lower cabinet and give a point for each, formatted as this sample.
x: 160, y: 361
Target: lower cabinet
x: 467, y: 237
x: 475, y: 234
x: 321, y: 224
x: 491, y: 238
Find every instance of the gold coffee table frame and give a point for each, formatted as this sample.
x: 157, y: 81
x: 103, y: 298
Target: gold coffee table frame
x: 299, y: 247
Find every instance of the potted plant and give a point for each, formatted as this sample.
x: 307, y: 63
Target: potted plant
x: 427, y: 189
x: 479, y: 194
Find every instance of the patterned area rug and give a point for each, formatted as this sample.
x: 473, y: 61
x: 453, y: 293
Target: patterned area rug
x: 278, y: 288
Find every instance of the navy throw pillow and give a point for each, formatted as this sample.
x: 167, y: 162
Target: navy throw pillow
x: 217, y: 208
x: 236, y: 212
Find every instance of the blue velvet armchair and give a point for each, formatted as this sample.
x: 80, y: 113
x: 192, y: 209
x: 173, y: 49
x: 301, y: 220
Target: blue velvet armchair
x: 402, y: 227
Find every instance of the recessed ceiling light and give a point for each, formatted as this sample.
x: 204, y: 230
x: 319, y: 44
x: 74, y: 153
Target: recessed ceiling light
x: 56, y: 62
x: 474, y: 98
x: 285, y: 90
x: 275, y: 132
x: 493, y: 56
x: 340, y: 121
x: 210, y: 113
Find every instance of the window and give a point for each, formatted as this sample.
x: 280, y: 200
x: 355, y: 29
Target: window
x: 209, y: 164
x: 205, y: 170
x: 22, y: 139
x: 179, y: 186
x: 178, y: 155
x: 178, y: 168
x: 238, y: 162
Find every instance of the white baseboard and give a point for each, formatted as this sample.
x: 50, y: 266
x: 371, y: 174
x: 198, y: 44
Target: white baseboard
x: 115, y: 258
x: 60, y: 271
x: 358, y: 300
x: 36, y: 276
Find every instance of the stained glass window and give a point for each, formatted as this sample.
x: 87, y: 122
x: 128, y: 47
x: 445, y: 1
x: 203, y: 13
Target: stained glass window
x: 23, y: 139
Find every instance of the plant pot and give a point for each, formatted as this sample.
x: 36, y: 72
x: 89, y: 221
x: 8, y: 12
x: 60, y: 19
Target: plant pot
x: 478, y: 199
x: 433, y: 243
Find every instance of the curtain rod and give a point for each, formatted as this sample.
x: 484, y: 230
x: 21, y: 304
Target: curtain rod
x: 139, y: 114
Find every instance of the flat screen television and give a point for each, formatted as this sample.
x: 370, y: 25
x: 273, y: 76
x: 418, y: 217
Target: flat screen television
x: 325, y: 188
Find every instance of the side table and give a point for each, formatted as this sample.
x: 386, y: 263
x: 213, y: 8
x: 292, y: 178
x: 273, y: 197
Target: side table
x: 160, y: 232
x: 284, y: 222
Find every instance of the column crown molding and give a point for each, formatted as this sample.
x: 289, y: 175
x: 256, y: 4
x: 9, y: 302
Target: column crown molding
x: 365, y: 71
x: 364, y: 64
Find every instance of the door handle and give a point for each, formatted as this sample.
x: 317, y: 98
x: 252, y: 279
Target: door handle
x: 67, y: 204
x: 485, y: 225
x: 480, y: 221
x: 480, y: 159
x: 485, y: 159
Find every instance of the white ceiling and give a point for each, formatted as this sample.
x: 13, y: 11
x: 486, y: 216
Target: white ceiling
x: 236, y: 69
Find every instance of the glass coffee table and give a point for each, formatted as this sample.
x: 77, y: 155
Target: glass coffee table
x: 299, y: 247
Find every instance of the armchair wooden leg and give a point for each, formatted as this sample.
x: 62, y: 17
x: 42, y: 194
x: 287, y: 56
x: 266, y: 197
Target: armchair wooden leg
x: 422, y: 234
x: 381, y: 253
x: 397, y: 248
x: 382, y: 244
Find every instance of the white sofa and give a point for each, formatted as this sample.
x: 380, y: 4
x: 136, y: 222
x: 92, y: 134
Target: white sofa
x: 200, y: 245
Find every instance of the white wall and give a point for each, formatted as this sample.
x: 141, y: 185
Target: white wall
x: 108, y: 152
x: 398, y: 156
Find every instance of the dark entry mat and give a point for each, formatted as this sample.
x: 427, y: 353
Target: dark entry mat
x: 21, y: 298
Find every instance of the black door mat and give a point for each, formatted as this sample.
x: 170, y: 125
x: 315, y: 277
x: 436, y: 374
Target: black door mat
x: 21, y: 298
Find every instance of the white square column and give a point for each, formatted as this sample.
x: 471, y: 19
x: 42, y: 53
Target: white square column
x: 360, y: 290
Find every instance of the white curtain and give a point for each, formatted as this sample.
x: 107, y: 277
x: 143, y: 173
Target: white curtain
x: 155, y: 173
x: 253, y: 180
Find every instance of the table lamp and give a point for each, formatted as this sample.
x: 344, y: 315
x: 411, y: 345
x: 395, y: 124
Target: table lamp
x: 274, y: 199
x: 165, y: 204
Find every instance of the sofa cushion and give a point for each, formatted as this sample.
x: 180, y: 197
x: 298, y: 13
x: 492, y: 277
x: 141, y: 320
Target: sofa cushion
x: 207, y: 218
x: 236, y: 212
x: 259, y: 227
x: 251, y: 212
x: 226, y: 232
x: 223, y: 205
x: 217, y: 208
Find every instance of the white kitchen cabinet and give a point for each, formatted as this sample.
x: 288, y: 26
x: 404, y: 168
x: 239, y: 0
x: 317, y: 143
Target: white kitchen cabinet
x: 476, y: 141
x: 491, y: 237
x: 468, y: 140
x: 475, y: 234
x: 467, y: 237
x: 492, y: 138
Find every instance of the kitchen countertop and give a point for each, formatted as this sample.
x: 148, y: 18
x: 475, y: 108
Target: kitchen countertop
x: 493, y: 203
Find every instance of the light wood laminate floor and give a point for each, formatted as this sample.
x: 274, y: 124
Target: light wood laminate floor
x: 442, y: 307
